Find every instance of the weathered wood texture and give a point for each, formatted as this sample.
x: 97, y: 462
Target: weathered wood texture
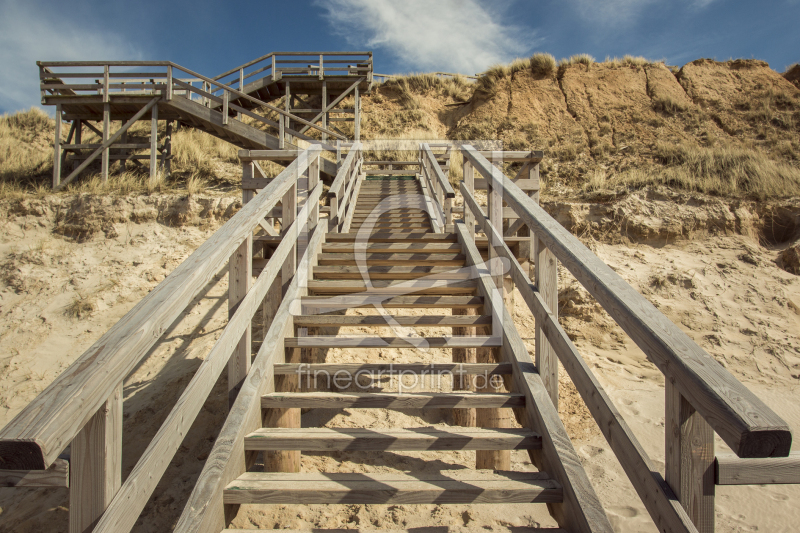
x: 746, y: 424
x: 730, y: 470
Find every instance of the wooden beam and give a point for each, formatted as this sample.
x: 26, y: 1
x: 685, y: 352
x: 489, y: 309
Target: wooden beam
x: 326, y: 108
x: 730, y: 470
x: 57, y: 476
x: 240, y: 279
x: 153, y: 144
x: 57, y: 150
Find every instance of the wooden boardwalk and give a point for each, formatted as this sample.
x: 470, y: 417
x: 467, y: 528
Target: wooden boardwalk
x: 407, y: 244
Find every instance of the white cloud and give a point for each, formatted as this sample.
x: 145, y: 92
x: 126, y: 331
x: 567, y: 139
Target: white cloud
x: 29, y: 34
x: 442, y: 35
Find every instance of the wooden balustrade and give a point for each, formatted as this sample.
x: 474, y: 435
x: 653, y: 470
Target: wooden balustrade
x: 702, y: 397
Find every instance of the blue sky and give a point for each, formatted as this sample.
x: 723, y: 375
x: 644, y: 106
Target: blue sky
x: 406, y: 35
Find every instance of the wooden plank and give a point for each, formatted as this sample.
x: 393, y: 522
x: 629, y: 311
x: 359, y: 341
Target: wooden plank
x: 394, y: 368
x: 420, y: 236
x: 581, y: 510
x: 526, y: 184
x: 379, y: 321
x: 689, y: 458
x: 379, y: 439
x: 57, y: 476
x: 437, y: 171
x: 396, y: 302
x: 385, y: 400
x: 153, y: 144
x: 546, y: 279
x: 465, y: 357
x: 396, y: 259
x: 348, y: 219
x: 391, y: 272
x: 390, y: 342
x: 96, y: 465
x: 57, y: 150
x: 421, y: 286
x: 730, y: 470
x: 227, y: 459
x: 396, y: 489
x: 743, y: 421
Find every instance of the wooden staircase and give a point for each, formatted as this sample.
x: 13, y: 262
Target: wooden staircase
x: 410, y: 269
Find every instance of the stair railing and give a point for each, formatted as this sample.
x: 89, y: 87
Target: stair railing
x: 702, y: 397
x: 82, y: 408
x: 164, y: 83
x: 343, y: 191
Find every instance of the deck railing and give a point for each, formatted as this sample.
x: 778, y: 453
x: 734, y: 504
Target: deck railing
x: 275, y: 65
x: 82, y: 407
x: 702, y: 397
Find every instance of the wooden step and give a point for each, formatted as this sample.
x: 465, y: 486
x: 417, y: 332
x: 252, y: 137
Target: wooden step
x: 392, y: 247
x: 397, y: 259
x: 429, y: 321
x: 397, y: 302
x: 387, y: 400
x: 422, y: 286
x: 390, y: 272
x: 380, y: 439
x: 321, y: 341
x: 452, y: 487
x: 326, y: 369
x: 416, y: 236
x: 450, y: 529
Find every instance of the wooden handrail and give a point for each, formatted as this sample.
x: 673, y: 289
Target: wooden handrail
x: 653, y: 490
x: 47, y: 425
x: 743, y: 421
x: 344, y: 169
x: 437, y: 171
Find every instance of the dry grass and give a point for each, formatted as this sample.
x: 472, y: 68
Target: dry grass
x: 667, y: 105
x: 543, y: 64
x: 577, y: 59
x: 411, y: 86
x: 723, y: 170
x: 26, y: 152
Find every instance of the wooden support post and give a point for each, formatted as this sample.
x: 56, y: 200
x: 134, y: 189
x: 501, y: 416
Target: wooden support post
x: 240, y: 278
x: 106, y: 123
x: 78, y: 140
x: 153, y: 144
x: 469, y: 183
x: 324, y: 103
x: 533, y: 174
x: 166, y: 160
x: 225, y: 97
x: 495, y: 207
x: 281, y: 132
x: 106, y: 128
x: 313, y: 179
x: 247, y: 174
x: 284, y: 461
x: 464, y: 382
x: 288, y: 108
x: 546, y: 279
x: 169, y: 83
x: 491, y: 418
x: 357, y: 111
x: 689, y: 458
x: 288, y: 215
x: 274, y: 72
x: 95, y: 469
x: 57, y: 149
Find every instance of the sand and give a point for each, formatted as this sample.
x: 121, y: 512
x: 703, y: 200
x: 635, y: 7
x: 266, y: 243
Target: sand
x: 725, y: 290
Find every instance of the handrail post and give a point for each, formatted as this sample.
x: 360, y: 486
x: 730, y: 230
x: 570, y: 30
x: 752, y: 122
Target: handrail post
x: 57, y: 149
x: 225, y: 96
x: 274, y: 73
x: 689, y: 458
x: 321, y: 74
x: 240, y: 279
x: 153, y: 144
x: 95, y: 470
x: 546, y: 280
x: 106, y: 123
x: 169, y: 83
x: 313, y: 179
x: 281, y: 132
x: 469, y: 183
x: 357, y: 118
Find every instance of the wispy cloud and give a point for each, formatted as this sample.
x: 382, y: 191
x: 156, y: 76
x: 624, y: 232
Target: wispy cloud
x: 448, y: 35
x: 28, y: 33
